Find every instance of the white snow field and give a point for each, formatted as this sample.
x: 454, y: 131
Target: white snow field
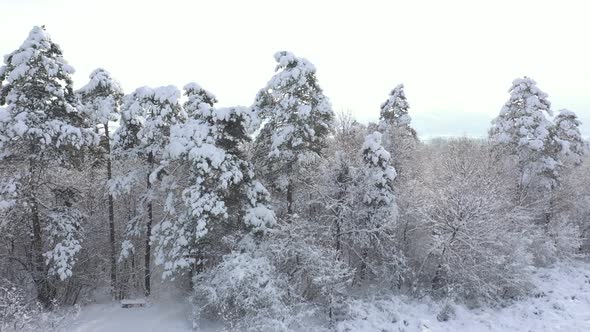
x: 173, y: 317
x: 561, y: 303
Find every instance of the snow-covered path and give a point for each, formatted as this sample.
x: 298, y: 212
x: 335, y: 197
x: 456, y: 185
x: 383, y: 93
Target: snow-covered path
x: 172, y: 317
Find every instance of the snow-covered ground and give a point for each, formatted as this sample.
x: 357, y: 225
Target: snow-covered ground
x: 562, y: 303
x: 172, y: 317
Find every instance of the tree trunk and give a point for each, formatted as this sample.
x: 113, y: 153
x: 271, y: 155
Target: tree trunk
x: 148, y: 248
x: 289, y: 200
x: 549, y: 211
x: 196, y: 268
x: 45, y: 292
x: 40, y: 272
x: 520, y: 185
x: 114, y: 285
x: 338, y: 235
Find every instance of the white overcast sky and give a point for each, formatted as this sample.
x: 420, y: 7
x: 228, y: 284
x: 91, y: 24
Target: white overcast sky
x: 457, y: 59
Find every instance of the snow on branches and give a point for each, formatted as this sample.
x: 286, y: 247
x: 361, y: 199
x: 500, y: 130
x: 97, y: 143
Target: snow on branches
x: 379, y: 171
x: 394, y: 111
x: 298, y: 115
x: 522, y: 126
x: 146, y: 117
x: 567, y: 131
x: 64, y: 230
x: 221, y: 184
x: 37, y: 88
x: 101, y: 97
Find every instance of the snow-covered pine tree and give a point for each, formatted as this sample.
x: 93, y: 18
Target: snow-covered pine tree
x: 199, y: 102
x: 146, y: 120
x: 298, y: 119
x: 101, y: 100
x: 523, y: 127
x: 380, y: 209
x: 42, y: 131
x: 567, y: 131
x: 220, y: 191
x: 379, y: 196
x: 394, y: 112
x: 399, y: 138
x: 563, y: 146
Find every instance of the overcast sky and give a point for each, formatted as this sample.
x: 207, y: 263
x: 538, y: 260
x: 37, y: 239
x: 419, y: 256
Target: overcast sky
x: 457, y: 59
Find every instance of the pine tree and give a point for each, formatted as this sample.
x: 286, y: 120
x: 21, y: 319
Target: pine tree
x: 101, y: 99
x: 399, y: 138
x: 298, y: 120
x: 394, y: 112
x: 380, y: 196
x: 523, y: 127
x: 43, y: 131
x: 146, y: 120
x: 199, y: 103
x: 379, y: 213
x: 221, y: 189
x: 564, y: 145
x: 567, y: 131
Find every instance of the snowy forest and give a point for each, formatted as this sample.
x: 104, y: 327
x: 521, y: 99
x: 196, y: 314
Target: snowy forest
x: 284, y: 215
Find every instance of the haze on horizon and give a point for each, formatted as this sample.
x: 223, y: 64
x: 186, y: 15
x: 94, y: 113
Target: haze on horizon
x: 456, y: 59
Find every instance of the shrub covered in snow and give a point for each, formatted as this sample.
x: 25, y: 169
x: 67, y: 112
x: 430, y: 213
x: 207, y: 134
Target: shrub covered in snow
x: 17, y: 313
x: 245, y: 291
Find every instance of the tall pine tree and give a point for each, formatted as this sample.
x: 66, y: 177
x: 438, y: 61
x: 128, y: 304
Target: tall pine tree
x: 523, y: 127
x: 399, y: 138
x: 298, y: 119
x: 394, y: 112
x: 220, y: 192
x: 146, y: 120
x: 379, y: 209
x: 567, y: 130
x: 43, y: 132
x: 101, y: 100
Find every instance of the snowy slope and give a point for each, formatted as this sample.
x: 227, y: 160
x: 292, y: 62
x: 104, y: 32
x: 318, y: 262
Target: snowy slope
x: 561, y: 303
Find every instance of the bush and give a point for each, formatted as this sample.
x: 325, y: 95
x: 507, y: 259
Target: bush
x: 16, y: 313
x: 244, y: 290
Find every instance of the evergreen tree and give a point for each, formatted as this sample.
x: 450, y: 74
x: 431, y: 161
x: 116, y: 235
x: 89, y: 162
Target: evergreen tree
x: 394, y: 112
x: 146, y: 120
x: 378, y: 212
x: 564, y: 145
x: 379, y: 196
x: 42, y: 131
x: 567, y: 131
x: 199, y: 103
x: 221, y: 190
x: 298, y: 120
x: 523, y: 127
x: 101, y: 99
x: 399, y: 138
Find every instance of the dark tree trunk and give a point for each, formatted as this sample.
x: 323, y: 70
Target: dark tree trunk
x: 196, y: 268
x: 45, y: 291
x: 114, y: 285
x: 290, y: 200
x: 338, y: 235
x: 148, y: 248
x: 40, y: 272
